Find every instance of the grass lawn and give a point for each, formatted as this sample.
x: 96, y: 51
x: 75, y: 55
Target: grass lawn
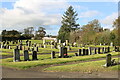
x: 45, y: 60
x: 93, y: 66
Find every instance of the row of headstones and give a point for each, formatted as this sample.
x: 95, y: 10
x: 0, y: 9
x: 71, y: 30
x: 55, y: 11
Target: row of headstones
x: 62, y: 53
x: 5, y: 46
x: 88, y: 51
x: 117, y: 49
x: 16, y: 55
x: 20, y: 47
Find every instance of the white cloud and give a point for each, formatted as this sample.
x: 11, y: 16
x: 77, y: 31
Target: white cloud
x: 31, y: 13
x: 89, y: 14
x: 108, y: 20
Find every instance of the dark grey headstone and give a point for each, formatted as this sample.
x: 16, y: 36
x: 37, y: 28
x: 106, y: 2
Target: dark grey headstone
x: 108, y: 60
x: 16, y: 55
x: 76, y: 54
x: 79, y: 52
x: 87, y: 51
x: 95, y: 52
x: 52, y: 54
x: 98, y: 50
x: 26, y: 55
x: 84, y: 51
x: 34, y: 55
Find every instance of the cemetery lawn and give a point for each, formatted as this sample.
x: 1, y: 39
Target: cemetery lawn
x: 87, y: 67
x: 46, y: 60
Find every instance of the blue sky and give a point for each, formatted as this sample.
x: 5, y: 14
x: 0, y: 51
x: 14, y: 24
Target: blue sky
x: 23, y: 13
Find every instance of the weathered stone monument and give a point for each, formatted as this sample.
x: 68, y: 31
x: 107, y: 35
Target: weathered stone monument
x: 16, y: 55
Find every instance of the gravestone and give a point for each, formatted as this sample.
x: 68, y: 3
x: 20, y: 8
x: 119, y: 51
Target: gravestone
x: 32, y: 48
x: 95, y: 52
x: 26, y: 55
x: 63, y: 52
x: 98, y: 50
x: 20, y: 47
x: 52, y: 54
x: 87, y: 51
x: 108, y: 60
x: 79, y: 52
x: 44, y: 41
x: 34, y: 55
x: 17, y: 47
x: 66, y: 42
x: 108, y: 49
x: 16, y: 55
x: 90, y: 50
x: 9, y: 47
x: 100, y: 44
x: 59, y: 41
x: 103, y: 50
x: 76, y: 54
x: 84, y: 51
x: 69, y: 48
x: 111, y: 44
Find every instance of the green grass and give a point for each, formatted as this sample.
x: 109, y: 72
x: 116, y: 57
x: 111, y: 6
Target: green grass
x: 45, y: 60
x: 94, y: 66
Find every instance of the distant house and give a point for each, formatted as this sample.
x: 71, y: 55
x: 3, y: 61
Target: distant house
x: 49, y: 38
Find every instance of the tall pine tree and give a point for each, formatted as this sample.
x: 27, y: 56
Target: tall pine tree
x: 69, y: 24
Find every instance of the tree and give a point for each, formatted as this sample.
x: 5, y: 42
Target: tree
x: 40, y: 33
x: 116, y: 24
x: 10, y: 35
x: 69, y: 24
x: 28, y: 33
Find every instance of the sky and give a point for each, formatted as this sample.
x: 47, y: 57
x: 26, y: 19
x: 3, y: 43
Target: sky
x: 20, y: 14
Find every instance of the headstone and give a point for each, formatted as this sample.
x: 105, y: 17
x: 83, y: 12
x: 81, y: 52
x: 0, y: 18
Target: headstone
x: 84, y: 52
x: 20, y: 47
x: 100, y: 44
x: 90, y: 50
x: 69, y: 48
x: 87, y: 51
x: 95, y: 52
x: 108, y: 49
x: 79, y: 52
x: 59, y: 41
x: 111, y: 44
x: 16, y: 55
x: 66, y: 42
x: 63, y: 52
x: 76, y: 54
x: 108, y: 60
x: 34, y: 55
x: 26, y: 55
x: 44, y: 41
x: 17, y: 47
x: 103, y: 50
x: 98, y: 50
x: 52, y: 54
x: 32, y: 48
x: 9, y: 47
